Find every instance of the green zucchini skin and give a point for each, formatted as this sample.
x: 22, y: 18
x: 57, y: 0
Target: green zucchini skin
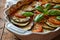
x: 19, y: 24
x: 25, y: 27
x: 45, y: 26
x: 51, y: 25
x: 29, y: 26
x: 20, y: 20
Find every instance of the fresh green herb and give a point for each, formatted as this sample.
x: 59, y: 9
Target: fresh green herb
x: 47, y: 6
x: 54, y: 12
x: 58, y: 18
x: 27, y: 14
x: 57, y: 6
x: 45, y: 11
x: 38, y: 18
x: 40, y: 8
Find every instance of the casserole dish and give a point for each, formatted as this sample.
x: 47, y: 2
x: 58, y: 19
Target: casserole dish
x: 19, y: 31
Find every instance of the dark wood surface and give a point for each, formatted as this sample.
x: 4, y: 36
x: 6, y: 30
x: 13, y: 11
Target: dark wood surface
x: 6, y: 35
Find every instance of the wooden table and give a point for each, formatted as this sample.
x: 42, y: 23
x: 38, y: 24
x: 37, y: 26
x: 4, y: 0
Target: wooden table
x: 6, y: 35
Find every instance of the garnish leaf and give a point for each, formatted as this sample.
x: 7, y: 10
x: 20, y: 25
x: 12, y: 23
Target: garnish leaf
x: 28, y: 14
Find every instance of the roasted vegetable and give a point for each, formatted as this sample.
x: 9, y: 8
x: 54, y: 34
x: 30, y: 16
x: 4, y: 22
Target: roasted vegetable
x: 40, y: 8
x: 27, y: 8
x: 54, y: 12
x: 37, y: 28
x: 37, y: 12
x: 17, y: 6
x: 58, y: 18
x: 38, y: 18
x: 20, y: 20
x: 29, y: 26
x: 19, y: 14
x: 20, y: 24
x: 45, y: 26
x: 28, y: 14
x: 54, y: 20
x: 52, y: 25
x: 55, y: 1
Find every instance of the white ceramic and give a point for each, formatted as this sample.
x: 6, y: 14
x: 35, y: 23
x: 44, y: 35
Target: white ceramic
x: 20, y: 31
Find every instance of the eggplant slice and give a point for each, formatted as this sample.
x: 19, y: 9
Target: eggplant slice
x: 29, y: 26
x: 19, y: 24
x: 20, y: 20
x: 31, y: 7
x: 47, y: 27
x: 52, y: 25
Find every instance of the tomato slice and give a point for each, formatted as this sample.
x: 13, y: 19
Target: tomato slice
x: 37, y: 12
x: 43, y: 2
x: 37, y: 28
x: 20, y: 16
x: 53, y: 20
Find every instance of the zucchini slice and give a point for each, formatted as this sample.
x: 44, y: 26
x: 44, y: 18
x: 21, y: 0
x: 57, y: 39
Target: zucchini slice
x: 52, y: 25
x: 29, y: 26
x: 20, y: 24
x: 31, y: 7
x: 20, y: 20
x: 47, y: 27
x: 28, y: 8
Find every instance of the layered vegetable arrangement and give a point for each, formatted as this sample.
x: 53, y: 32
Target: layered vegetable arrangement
x: 37, y: 17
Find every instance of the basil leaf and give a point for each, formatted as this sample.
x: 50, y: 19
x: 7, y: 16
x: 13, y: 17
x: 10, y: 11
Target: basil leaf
x: 28, y: 14
x: 47, y: 6
x: 45, y: 11
x: 54, y: 12
x: 58, y: 18
x: 57, y: 6
x: 38, y: 18
x: 40, y: 8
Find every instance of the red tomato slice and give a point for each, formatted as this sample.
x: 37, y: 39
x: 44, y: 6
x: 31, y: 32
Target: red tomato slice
x: 37, y: 12
x: 38, y: 28
x: 54, y: 21
x: 20, y: 16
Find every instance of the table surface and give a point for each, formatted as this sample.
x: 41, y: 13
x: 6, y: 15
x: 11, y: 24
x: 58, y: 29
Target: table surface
x: 6, y: 35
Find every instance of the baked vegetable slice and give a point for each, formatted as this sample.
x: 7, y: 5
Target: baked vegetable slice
x: 45, y: 26
x: 37, y: 28
x: 20, y: 20
x: 19, y: 24
x: 29, y: 26
x: 52, y: 25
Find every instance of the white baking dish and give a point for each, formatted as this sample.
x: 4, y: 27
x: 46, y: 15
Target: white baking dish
x: 16, y: 30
